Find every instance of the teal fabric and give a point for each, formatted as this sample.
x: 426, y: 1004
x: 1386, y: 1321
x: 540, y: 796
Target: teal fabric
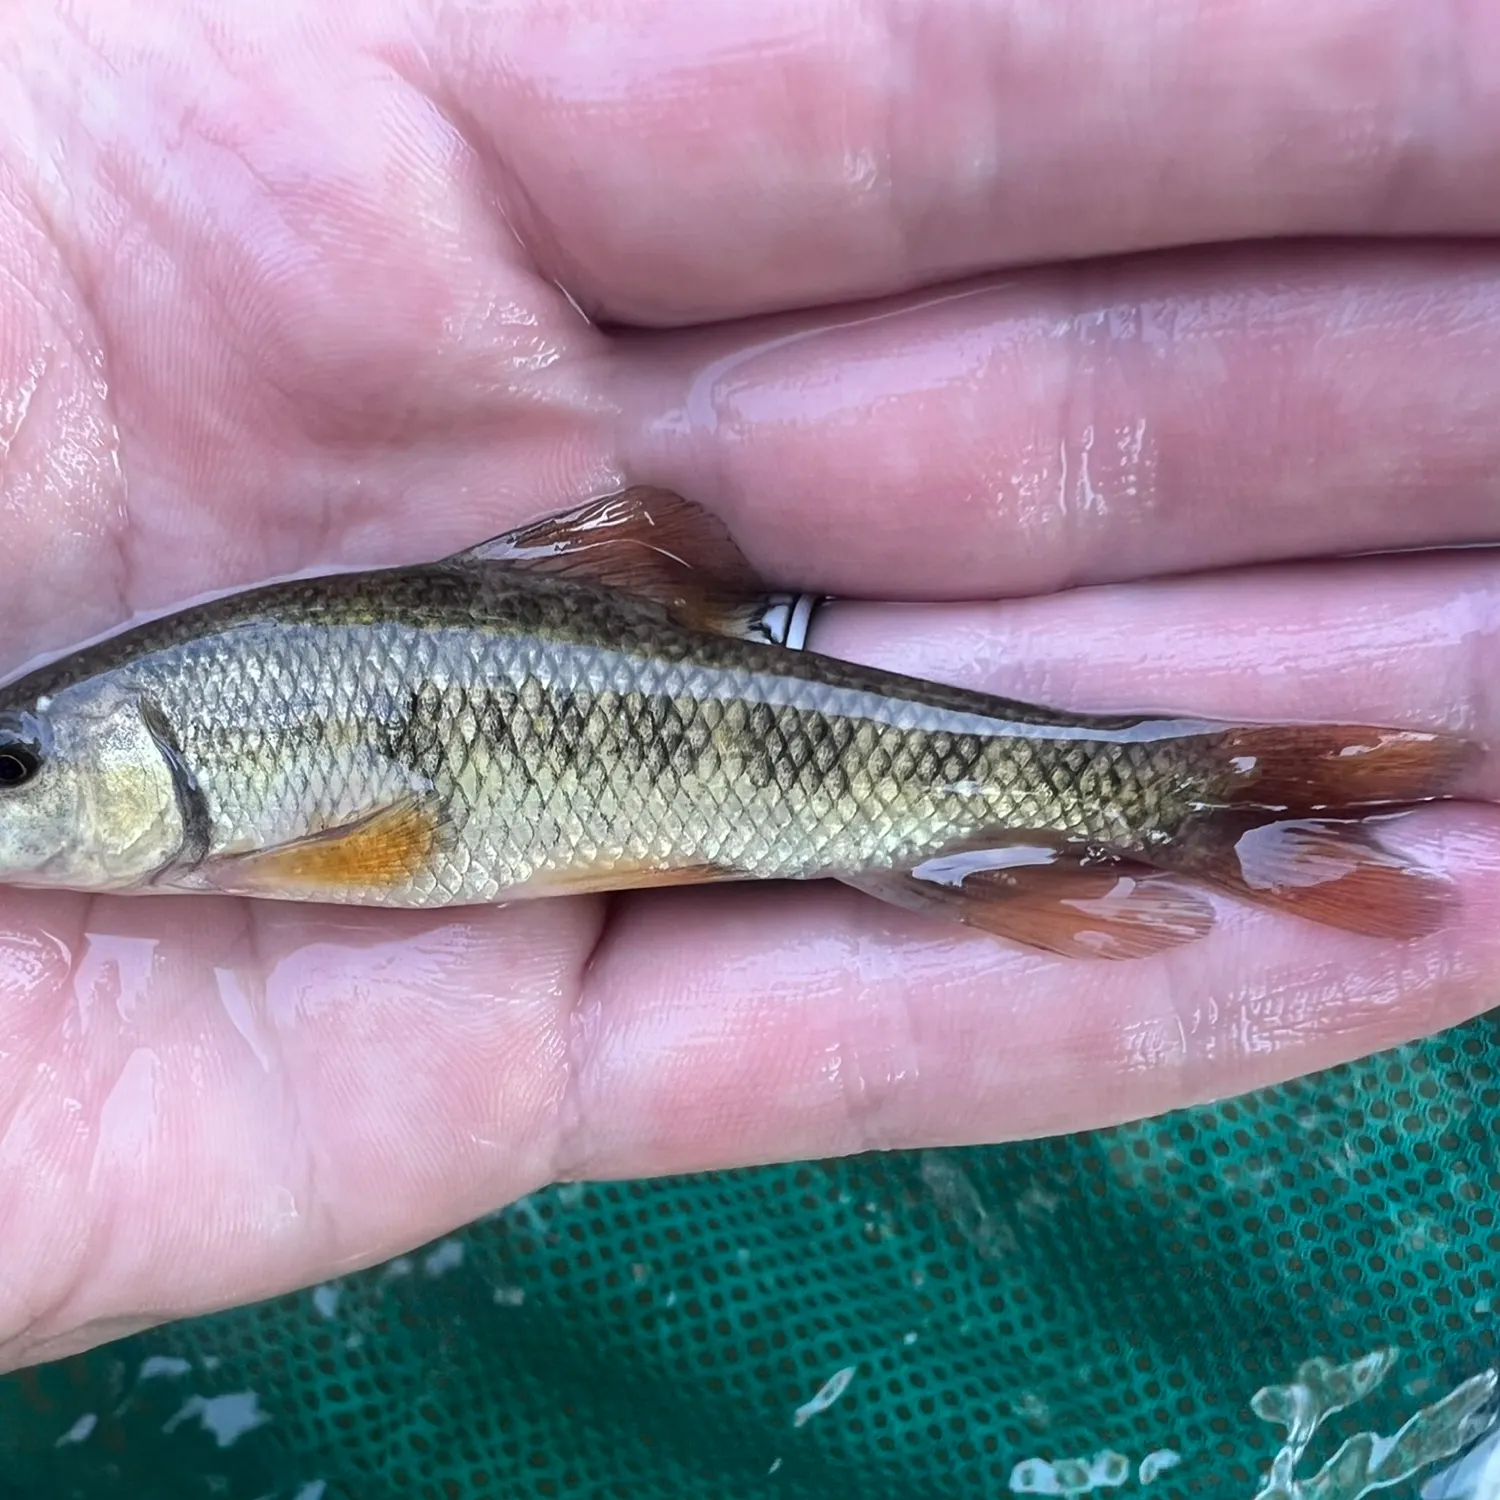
x: 1245, y: 1301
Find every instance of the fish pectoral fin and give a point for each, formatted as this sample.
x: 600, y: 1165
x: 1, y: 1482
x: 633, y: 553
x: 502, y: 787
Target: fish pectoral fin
x: 1106, y: 909
x: 379, y: 850
x: 1326, y: 870
x: 648, y: 542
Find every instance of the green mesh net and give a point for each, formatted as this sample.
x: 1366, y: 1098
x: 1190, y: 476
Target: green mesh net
x: 1290, y: 1296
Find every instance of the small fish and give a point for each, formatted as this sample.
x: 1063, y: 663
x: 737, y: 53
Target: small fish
x: 592, y: 702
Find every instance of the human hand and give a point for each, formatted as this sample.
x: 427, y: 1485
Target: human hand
x: 283, y: 291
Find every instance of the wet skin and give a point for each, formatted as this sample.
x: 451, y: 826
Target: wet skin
x: 285, y: 291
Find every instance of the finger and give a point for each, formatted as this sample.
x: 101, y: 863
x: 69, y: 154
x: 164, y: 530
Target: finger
x: 206, y: 1103
x: 1415, y: 638
x: 257, y: 314
x: 170, y: 1177
x: 1093, y: 424
x: 1098, y: 424
x: 669, y: 163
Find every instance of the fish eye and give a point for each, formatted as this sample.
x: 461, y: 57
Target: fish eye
x: 18, y: 764
x: 20, y: 754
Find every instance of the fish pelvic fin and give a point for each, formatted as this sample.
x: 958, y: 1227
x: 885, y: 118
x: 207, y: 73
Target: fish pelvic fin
x: 656, y: 545
x: 1094, y: 907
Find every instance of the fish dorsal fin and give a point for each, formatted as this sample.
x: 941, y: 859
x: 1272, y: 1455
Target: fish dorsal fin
x: 643, y: 541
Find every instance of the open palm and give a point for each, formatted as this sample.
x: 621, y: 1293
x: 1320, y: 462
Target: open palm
x: 284, y: 291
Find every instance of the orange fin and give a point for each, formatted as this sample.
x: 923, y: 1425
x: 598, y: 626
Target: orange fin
x: 1332, y: 872
x: 1099, y: 909
x: 648, y: 542
x: 1303, y: 768
x: 383, y: 849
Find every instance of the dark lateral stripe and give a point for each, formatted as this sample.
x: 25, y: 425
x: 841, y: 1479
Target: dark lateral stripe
x: 192, y: 805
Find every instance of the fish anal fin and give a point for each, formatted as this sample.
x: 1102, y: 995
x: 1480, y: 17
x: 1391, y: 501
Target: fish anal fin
x: 381, y: 850
x: 1330, y: 871
x: 644, y: 541
x: 1099, y: 909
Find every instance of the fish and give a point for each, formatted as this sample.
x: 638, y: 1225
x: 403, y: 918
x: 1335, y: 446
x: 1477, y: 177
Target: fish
x: 599, y: 700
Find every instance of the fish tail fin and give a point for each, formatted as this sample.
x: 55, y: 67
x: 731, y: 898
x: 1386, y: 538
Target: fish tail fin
x: 1308, y: 768
x: 1285, y: 815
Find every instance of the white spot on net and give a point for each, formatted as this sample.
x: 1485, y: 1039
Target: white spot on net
x: 1476, y: 1476
x: 79, y: 1430
x: 1155, y: 1464
x: 828, y: 1393
x: 226, y: 1418
x: 445, y: 1257
x: 1370, y: 1461
x: 1106, y: 1470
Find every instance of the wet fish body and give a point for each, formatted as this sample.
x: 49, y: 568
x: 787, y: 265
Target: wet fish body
x: 583, y: 705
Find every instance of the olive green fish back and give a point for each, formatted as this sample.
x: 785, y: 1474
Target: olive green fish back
x: 1244, y: 1301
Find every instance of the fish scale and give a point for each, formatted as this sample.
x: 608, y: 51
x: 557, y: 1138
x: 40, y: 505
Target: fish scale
x: 581, y: 706
x: 540, y: 769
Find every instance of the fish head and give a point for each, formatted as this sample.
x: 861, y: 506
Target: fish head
x: 88, y: 794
